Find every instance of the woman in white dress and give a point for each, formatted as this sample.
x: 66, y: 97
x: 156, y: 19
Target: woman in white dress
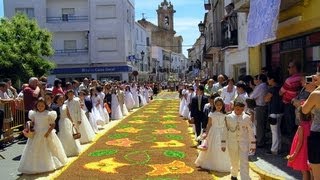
x: 115, y: 106
x: 128, y: 99
x: 44, y: 152
x: 76, y: 115
x: 213, y: 158
x: 86, y: 105
x: 70, y: 145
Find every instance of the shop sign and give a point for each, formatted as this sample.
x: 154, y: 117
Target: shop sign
x: 108, y: 69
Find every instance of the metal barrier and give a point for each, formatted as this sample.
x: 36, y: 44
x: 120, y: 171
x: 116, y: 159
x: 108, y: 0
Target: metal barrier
x: 14, y: 118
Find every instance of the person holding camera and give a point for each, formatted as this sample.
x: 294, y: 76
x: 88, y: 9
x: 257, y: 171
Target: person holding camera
x: 275, y: 108
x: 307, y: 88
x: 312, y: 104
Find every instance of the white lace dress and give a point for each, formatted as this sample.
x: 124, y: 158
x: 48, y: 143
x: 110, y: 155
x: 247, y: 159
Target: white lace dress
x: 70, y: 145
x: 42, y: 154
x: 128, y: 100
x: 115, y: 108
x: 213, y: 158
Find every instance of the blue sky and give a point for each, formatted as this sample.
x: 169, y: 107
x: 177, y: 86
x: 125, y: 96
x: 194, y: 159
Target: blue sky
x: 188, y: 14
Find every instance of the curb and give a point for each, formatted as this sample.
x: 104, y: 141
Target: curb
x: 263, y: 174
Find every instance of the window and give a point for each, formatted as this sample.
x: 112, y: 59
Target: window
x: 105, y: 44
x: 106, y: 12
x: 28, y: 11
x: 70, y: 45
x: 67, y: 13
x: 148, y: 41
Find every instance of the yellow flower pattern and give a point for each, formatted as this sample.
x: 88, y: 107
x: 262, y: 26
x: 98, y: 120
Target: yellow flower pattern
x: 172, y: 143
x: 106, y: 165
x: 175, y: 167
x: 129, y: 130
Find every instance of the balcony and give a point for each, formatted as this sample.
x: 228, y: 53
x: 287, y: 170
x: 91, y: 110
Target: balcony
x: 67, y: 18
x: 71, y: 56
x: 207, y: 4
x: 244, y: 5
x: 228, y: 38
x: 70, y: 52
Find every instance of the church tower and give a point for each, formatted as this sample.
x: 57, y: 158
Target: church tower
x: 165, y: 15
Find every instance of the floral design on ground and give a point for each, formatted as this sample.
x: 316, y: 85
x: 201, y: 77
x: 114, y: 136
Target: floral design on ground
x: 171, y: 143
x: 175, y: 167
x: 103, y: 152
x: 141, y: 116
x: 118, y: 136
x: 168, y: 126
x: 170, y: 122
x: 126, y: 142
x: 150, y: 112
x: 138, y: 157
x: 106, y: 165
x: 169, y: 116
x: 129, y: 130
x: 166, y: 131
x: 174, y: 137
x: 137, y: 122
x: 174, y: 154
x: 146, y: 138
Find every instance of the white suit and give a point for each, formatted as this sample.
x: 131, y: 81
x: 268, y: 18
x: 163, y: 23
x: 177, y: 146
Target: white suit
x: 238, y: 136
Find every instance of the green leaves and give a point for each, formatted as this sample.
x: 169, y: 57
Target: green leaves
x: 23, y: 48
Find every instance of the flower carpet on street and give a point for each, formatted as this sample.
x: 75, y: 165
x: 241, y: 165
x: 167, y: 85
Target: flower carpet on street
x: 153, y: 143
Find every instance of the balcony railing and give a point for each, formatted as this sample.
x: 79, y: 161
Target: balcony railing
x: 67, y: 18
x: 228, y: 38
x: 70, y: 52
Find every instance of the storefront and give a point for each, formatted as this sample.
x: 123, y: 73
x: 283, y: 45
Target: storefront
x: 304, y: 49
x: 108, y: 73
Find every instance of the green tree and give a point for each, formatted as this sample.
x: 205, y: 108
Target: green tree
x: 24, y: 47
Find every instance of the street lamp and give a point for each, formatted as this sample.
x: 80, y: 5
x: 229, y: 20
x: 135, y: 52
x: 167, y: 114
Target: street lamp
x: 201, y: 27
x: 142, y: 55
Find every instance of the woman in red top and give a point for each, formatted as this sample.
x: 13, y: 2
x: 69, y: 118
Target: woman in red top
x: 57, y: 89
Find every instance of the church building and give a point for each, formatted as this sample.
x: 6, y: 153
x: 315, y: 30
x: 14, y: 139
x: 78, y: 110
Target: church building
x: 163, y: 34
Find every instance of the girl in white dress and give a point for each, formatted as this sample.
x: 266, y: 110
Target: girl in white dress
x: 44, y: 152
x: 128, y: 99
x: 70, y: 145
x: 134, y: 91
x: 102, y: 110
x: 85, y: 123
x: 96, y: 112
x: 76, y: 115
x: 213, y: 158
x: 115, y: 106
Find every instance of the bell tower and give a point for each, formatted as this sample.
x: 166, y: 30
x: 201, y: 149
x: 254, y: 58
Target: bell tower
x: 165, y: 15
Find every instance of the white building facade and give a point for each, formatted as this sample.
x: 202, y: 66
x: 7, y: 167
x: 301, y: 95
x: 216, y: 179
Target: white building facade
x: 91, y: 38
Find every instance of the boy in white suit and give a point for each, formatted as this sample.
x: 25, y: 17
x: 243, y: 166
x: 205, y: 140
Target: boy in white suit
x: 239, y: 138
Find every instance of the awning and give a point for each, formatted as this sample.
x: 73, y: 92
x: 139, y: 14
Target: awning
x: 104, y: 69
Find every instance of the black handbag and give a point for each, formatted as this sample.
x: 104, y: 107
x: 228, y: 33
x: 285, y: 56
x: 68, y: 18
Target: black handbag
x: 272, y: 121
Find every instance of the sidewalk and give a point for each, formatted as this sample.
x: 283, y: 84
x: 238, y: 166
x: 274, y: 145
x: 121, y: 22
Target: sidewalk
x: 272, y: 166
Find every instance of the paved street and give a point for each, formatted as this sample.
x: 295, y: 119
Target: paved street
x: 273, y: 166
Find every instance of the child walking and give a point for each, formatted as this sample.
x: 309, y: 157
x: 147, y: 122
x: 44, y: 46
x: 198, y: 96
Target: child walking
x: 214, y: 158
x: 298, y: 157
x: 238, y: 136
x: 43, y: 152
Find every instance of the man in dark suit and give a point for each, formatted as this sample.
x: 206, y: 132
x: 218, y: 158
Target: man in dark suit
x: 197, y: 113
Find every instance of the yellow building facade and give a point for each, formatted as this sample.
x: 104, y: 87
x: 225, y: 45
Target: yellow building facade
x: 298, y: 39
